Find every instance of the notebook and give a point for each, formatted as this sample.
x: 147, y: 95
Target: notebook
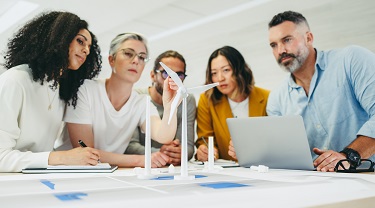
x: 99, y: 168
x: 275, y: 141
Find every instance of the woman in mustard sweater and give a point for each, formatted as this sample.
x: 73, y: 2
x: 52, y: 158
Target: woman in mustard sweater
x: 236, y: 96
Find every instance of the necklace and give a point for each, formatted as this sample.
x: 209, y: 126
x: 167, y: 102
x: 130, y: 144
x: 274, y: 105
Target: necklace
x: 239, y: 109
x: 49, y: 99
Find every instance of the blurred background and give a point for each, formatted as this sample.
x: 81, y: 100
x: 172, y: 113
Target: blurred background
x: 195, y: 28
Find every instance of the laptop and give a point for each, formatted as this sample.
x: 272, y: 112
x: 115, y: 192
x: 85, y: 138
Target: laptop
x: 278, y: 142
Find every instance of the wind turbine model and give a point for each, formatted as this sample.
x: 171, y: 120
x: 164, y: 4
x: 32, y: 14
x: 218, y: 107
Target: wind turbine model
x: 147, y: 170
x: 183, y: 92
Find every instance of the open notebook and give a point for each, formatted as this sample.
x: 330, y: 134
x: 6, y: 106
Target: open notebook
x: 274, y: 141
x: 99, y: 168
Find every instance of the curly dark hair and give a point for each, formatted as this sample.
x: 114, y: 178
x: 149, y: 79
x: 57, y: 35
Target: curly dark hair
x: 43, y: 43
x: 241, y: 73
x: 295, y: 17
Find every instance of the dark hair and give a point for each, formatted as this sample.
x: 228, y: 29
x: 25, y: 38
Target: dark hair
x: 43, y: 43
x: 167, y: 54
x: 291, y: 16
x: 241, y: 72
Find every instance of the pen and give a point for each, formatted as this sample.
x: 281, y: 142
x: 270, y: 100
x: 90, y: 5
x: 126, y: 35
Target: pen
x: 82, y: 144
x: 204, y: 141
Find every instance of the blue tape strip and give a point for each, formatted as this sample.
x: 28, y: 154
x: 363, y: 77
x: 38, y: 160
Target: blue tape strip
x: 172, y: 177
x: 70, y: 196
x: 163, y: 178
x: 221, y: 185
x: 48, y: 183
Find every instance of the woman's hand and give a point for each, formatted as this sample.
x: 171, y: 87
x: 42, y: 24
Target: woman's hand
x: 202, y: 153
x: 76, y: 156
x: 232, y: 151
x: 169, y: 92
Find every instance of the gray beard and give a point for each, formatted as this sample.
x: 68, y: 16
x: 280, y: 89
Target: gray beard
x: 292, y: 66
x: 297, y: 62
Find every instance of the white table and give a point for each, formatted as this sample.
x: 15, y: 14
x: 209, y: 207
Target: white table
x: 276, y: 188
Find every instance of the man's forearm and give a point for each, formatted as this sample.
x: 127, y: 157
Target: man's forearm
x: 364, y: 145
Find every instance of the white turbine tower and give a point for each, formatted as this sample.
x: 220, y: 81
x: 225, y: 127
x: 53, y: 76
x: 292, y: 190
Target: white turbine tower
x: 183, y: 92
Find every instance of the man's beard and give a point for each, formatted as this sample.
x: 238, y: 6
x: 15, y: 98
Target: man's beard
x: 159, y: 88
x: 296, y: 62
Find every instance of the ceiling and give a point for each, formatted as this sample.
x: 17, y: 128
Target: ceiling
x: 196, y: 28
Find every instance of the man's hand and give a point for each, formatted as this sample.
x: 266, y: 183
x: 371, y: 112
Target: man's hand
x: 202, y: 153
x: 159, y: 160
x: 231, y: 151
x: 327, y: 160
x: 173, y: 151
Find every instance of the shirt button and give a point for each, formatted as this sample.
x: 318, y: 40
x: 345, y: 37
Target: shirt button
x: 318, y: 126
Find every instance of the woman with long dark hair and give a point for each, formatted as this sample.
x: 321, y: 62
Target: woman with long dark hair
x: 47, y: 60
x: 236, y: 96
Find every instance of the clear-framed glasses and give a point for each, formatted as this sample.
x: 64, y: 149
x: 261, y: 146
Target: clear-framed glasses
x: 130, y: 54
x: 365, y: 166
x: 164, y: 74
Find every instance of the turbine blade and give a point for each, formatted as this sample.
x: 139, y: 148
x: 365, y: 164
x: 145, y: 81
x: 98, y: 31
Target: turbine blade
x: 201, y: 89
x: 174, y: 105
x: 173, y: 75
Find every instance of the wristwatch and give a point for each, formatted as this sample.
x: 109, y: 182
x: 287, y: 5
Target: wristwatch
x: 353, y: 156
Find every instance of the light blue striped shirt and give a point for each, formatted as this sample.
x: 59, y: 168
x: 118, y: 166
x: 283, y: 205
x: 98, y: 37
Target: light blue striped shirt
x: 341, y: 101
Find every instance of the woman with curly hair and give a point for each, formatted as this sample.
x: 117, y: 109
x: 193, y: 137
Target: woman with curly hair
x: 47, y: 60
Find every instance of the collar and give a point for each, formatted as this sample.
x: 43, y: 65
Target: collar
x: 320, y: 64
x: 321, y: 60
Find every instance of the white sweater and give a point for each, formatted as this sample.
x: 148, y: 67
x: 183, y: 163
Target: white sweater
x: 28, y: 129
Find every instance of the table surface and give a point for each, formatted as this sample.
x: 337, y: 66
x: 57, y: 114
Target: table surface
x: 223, y: 187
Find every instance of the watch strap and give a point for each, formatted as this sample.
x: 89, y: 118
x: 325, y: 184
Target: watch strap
x: 353, y: 156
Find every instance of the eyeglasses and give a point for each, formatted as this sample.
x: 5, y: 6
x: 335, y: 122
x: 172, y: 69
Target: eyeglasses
x: 365, y: 166
x: 164, y: 74
x: 130, y: 54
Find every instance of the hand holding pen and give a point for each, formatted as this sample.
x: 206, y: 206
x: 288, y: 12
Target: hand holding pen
x: 202, y: 151
x: 82, y: 144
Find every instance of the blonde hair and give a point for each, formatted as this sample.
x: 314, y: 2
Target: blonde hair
x: 120, y: 38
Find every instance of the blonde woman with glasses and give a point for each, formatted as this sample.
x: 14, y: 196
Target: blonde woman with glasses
x: 177, y: 63
x: 109, y: 111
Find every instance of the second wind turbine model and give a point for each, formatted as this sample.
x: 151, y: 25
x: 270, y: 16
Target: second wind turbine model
x: 183, y: 93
